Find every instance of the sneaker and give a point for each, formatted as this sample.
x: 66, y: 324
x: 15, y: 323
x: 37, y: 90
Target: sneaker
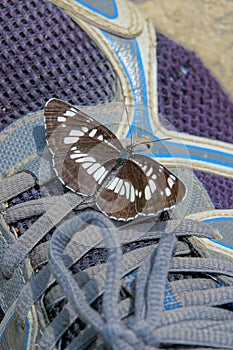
x: 147, y: 283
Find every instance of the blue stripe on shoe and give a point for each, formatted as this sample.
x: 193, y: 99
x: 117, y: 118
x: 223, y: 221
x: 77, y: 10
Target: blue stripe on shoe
x: 138, y: 86
x: 105, y: 8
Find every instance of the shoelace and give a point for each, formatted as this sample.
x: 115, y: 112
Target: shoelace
x: 147, y: 324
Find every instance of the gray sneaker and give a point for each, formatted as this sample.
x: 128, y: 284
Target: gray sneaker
x: 160, y: 287
x: 70, y: 277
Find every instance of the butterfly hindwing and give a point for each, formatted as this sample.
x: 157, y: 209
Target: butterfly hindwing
x: 163, y: 189
x: 119, y: 198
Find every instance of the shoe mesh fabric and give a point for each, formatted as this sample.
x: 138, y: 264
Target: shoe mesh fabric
x: 219, y: 188
x: 193, y: 102
x: 45, y: 54
x: 189, y: 96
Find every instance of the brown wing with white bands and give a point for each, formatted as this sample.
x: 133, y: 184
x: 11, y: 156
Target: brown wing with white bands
x: 163, y: 189
x: 80, y: 146
x: 122, y: 198
x: 140, y: 186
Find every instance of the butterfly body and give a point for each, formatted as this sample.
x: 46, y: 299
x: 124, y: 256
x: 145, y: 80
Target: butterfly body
x: 90, y: 160
x: 123, y: 156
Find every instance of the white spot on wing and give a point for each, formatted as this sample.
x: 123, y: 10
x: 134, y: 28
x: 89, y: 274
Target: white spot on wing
x: 122, y: 191
x: 85, y: 129
x: 70, y: 139
x: 69, y: 113
x: 161, y: 168
x: 76, y: 133
x: 61, y: 119
x: 149, y: 172
x: 86, y: 165
x: 144, y: 168
x: 85, y: 159
x: 118, y: 186
x: 77, y: 155
x: 93, y: 168
x: 147, y: 193
x: 93, y: 132
x: 97, y: 175
x: 113, y: 183
x: 102, y: 177
x: 73, y: 148
x: 127, y: 188
x: 152, y: 185
x: 167, y: 191
x: 100, y: 137
x: 154, y: 177
x: 170, y: 182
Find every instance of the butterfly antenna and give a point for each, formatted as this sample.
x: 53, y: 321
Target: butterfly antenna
x: 127, y: 115
x: 150, y: 141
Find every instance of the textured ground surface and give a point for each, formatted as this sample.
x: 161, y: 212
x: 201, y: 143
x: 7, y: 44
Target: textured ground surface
x: 203, y: 26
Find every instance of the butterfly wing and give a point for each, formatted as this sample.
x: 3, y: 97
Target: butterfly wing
x: 163, y: 189
x: 140, y: 186
x: 81, y: 147
x: 119, y: 197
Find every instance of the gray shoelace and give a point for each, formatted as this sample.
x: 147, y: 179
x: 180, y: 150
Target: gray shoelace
x: 137, y: 321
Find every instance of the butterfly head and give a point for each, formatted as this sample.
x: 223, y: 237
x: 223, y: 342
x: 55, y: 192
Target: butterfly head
x: 140, y: 144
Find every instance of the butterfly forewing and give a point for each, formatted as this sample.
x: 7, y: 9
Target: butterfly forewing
x: 80, y: 146
x: 69, y: 118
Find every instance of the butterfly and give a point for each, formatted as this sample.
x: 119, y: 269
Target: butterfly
x: 90, y: 160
